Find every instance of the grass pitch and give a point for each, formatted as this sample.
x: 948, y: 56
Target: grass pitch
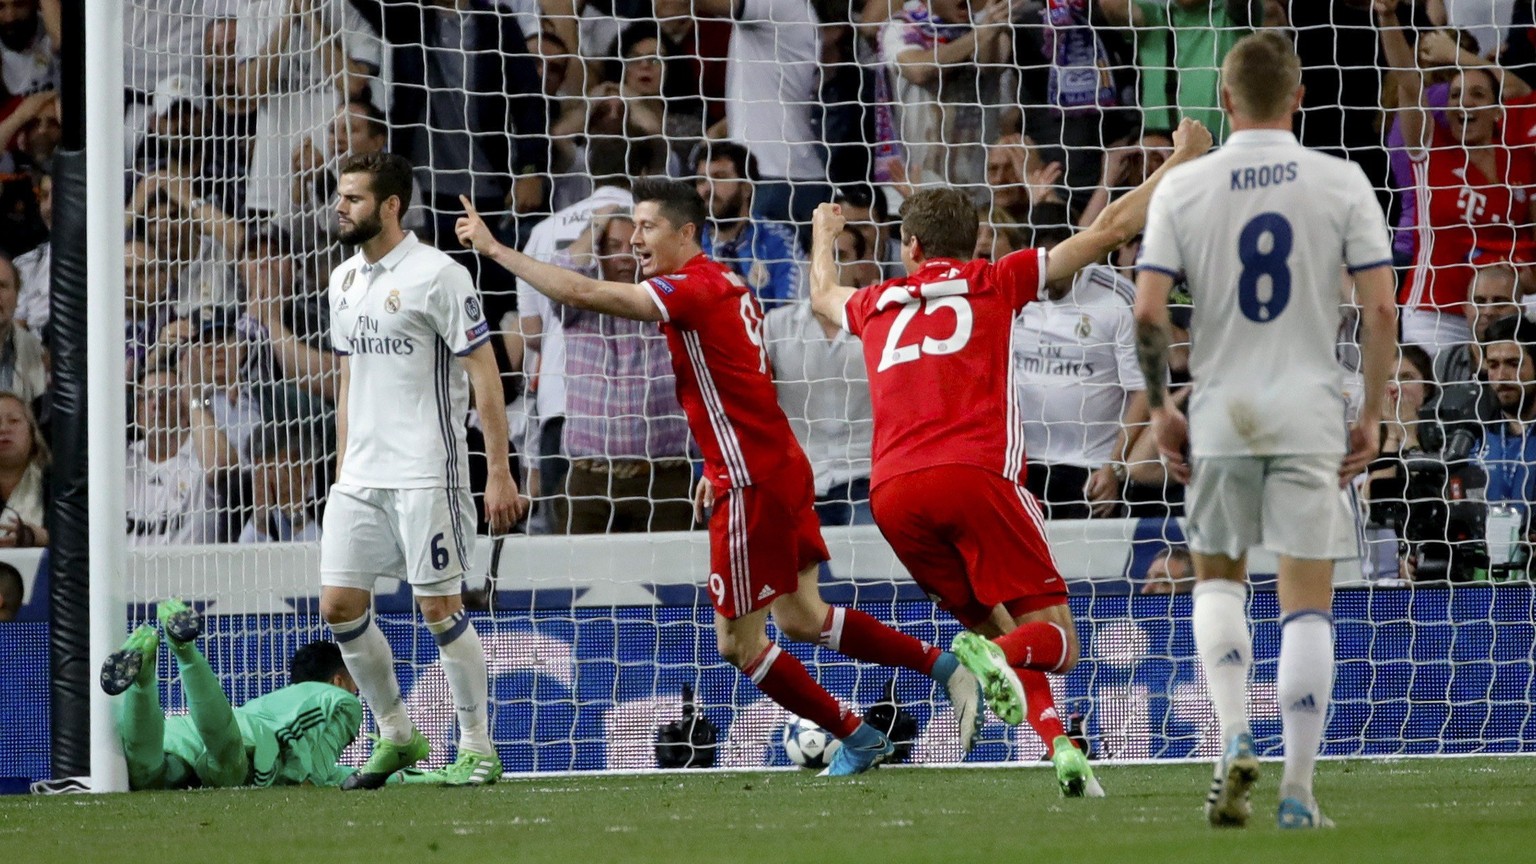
x: 1404, y: 812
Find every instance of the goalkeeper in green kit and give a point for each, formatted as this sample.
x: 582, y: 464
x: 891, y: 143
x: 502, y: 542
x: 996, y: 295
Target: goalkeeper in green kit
x: 288, y: 737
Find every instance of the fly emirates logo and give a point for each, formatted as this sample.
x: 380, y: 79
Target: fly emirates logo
x: 366, y: 339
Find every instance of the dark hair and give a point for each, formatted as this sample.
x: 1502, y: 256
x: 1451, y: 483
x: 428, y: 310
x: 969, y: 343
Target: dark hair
x: 711, y: 151
x: 389, y: 175
x: 1513, y: 328
x: 12, y: 589
x: 317, y: 661
x: 629, y: 37
x: 1420, y: 360
x: 377, y: 124
x: 1050, y: 223
x: 863, y: 195
x: 943, y: 221
x: 860, y: 245
x: 613, y: 159
x: 679, y: 202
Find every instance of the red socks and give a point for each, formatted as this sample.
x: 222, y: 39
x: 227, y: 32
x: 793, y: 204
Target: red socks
x: 857, y: 635
x: 1037, y: 645
x: 785, y: 680
x: 1040, y: 707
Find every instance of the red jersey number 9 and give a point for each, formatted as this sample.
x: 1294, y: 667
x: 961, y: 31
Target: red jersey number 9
x: 752, y: 319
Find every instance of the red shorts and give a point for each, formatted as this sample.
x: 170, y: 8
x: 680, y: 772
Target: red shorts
x: 970, y: 538
x: 760, y: 538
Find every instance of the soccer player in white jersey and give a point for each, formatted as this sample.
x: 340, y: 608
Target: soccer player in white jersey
x: 1260, y: 229
x: 413, y: 339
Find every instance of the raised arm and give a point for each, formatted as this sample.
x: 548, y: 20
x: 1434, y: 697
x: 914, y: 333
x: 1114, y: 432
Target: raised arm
x: 827, y: 297
x: 560, y: 285
x: 1403, y: 70
x: 1125, y: 218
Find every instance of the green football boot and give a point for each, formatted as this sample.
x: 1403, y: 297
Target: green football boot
x: 387, y: 758
x: 472, y: 769
x: 132, y: 663
x: 1072, y: 770
x: 1000, y: 684
x: 181, y: 623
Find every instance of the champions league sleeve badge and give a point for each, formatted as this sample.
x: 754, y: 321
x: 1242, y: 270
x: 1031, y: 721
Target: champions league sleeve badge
x: 472, y: 308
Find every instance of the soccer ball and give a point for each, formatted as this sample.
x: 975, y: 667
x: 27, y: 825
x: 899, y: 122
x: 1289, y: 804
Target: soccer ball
x: 807, y: 744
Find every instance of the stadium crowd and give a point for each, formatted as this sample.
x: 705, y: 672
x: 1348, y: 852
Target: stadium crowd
x: 541, y: 112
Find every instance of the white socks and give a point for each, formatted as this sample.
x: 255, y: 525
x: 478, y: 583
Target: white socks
x: 1303, y: 685
x: 463, y: 659
x: 1226, y: 650
x: 372, y: 665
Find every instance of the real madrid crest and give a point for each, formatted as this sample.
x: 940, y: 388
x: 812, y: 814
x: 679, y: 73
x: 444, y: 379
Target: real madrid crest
x: 1084, y: 327
x: 347, y: 282
x: 392, y: 302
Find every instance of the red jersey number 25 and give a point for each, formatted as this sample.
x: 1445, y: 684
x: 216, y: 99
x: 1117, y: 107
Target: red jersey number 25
x: 949, y: 294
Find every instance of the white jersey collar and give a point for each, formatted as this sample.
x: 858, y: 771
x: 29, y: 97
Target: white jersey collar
x: 1255, y: 137
x: 392, y: 259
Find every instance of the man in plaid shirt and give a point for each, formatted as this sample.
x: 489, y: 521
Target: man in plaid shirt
x: 625, y: 433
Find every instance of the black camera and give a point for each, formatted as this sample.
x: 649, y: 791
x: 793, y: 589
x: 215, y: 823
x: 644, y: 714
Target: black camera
x: 1432, y: 503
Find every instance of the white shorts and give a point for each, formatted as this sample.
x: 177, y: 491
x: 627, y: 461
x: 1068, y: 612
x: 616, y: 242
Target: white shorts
x: 1292, y: 505
x: 420, y: 535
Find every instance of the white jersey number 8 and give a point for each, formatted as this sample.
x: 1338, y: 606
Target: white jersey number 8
x: 894, y: 355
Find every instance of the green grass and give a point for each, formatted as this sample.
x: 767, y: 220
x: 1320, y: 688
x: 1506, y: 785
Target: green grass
x: 1403, y: 812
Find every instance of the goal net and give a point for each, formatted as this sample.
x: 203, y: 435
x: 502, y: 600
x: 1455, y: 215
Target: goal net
x: 1044, y: 112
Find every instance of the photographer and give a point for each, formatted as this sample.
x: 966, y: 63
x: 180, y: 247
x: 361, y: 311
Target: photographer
x: 1389, y: 505
x: 1508, y: 448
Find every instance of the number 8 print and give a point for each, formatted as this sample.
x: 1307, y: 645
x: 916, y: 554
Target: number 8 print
x: 1258, y: 264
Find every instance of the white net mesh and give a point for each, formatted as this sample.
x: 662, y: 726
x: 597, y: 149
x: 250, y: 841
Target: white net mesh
x: 240, y: 113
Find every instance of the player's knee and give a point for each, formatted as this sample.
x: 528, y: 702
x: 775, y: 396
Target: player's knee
x: 1069, y: 661
x: 740, y: 649
x: 800, y: 617
x: 339, y: 608
x: 437, y: 608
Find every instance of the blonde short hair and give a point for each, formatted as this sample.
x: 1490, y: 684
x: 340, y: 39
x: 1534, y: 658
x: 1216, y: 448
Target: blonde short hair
x: 1262, y: 73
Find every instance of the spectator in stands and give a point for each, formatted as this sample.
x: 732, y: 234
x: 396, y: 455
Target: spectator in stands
x: 823, y: 388
x: 30, y: 36
x: 944, y: 75
x: 624, y: 431
x: 37, y: 133
x: 34, y: 269
x: 358, y: 129
x: 1508, y: 448
x: 1171, y: 572
x: 613, y: 161
x: 199, y: 242
x: 291, y: 60
x: 1386, y: 486
x: 178, y: 465
x: 1009, y: 161
x: 705, y: 44
x: 229, y: 122
x: 12, y: 592
x: 1127, y: 165
x: 865, y: 209
x: 652, y: 81
x: 765, y: 254
x: 771, y: 101
x: 213, y: 357
x: 1085, y: 109
x: 290, y: 473
x: 148, y: 283
x: 24, y: 463
x: 21, y: 352
x: 296, y: 318
x: 995, y: 238
x: 1081, y: 392
x: 1473, y: 189
x: 1491, y: 297
x: 470, y: 110
x: 1180, y: 45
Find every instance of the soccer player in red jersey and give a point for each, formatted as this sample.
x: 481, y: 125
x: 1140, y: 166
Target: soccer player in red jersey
x: 765, y: 540
x: 948, y: 475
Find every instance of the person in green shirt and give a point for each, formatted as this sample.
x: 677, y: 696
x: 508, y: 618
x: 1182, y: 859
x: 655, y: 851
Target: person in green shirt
x: 290, y: 736
x: 1179, y: 48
